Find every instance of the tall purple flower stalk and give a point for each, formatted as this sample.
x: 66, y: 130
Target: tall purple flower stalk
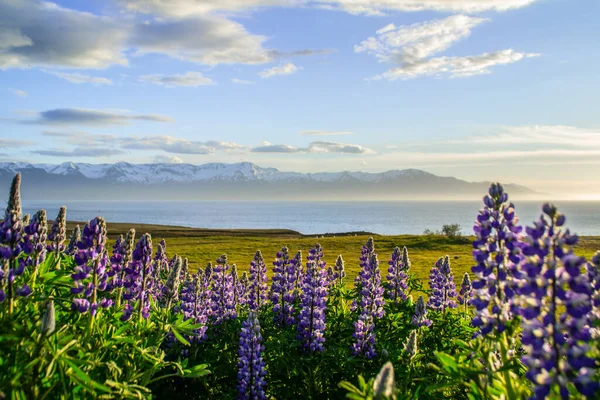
x: 365, y: 256
x: 593, y: 271
x: 138, y: 280
x: 34, y: 243
x: 311, y: 323
x: 244, y: 288
x: 195, y: 304
x: 89, y: 275
x: 161, y: 262
x: 466, y: 292
x: 419, y: 318
x: 170, y: 290
x: 443, y: 288
x: 282, y: 288
x: 239, y: 294
x: 223, y: 305
x: 497, y: 252
x: 556, y: 305
x: 257, y: 296
x: 371, y: 308
x: 397, y: 277
x: 251, y: 367
x: 58, y: 232
x: 11, y: 232
x: 120, y: 260
x: 75, y: 237
x: 297, y: 272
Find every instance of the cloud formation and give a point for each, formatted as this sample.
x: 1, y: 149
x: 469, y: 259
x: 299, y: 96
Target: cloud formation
x: 190, y: 79
x: 284, y: 69
x: 82, y: 116
x: 18, y: 92
x: 79, y: 78
x: 412, y: 48
x: 241, y: 81
x: 314, y: 147
x: 167, y: 159
x: 170, y: 144
x: 6, y: 143
x: 81, y: 137
x: 80, y: 152
x: 323, y: 133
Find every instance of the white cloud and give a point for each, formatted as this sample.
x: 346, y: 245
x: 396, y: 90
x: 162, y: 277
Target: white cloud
x: 167, y: 159
x: 176, y: 145
x: 79, y: 78
x: 81, y: 137
x: 284, y: 69
x: 241, y: 81
x: 83, y: 116
x: 323, y: 133
x: 552, y: 135
x: 313, y: 147
x: 79, y: 152
x: 18, y: 92
x: 188, y: 79
x: 275, y: 148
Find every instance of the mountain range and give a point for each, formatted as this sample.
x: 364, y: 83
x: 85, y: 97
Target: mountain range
x: 240, y: 181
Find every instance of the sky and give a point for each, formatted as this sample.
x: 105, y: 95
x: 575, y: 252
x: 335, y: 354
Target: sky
x: 483, y: 90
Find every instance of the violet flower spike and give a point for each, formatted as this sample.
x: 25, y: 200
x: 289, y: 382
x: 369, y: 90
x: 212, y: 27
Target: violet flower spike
x: 138, y: 282
x: 75, y: 237
x: 222, y: 299
x: 282, y: 288
x: 34, y: 243
x: 443, y: 288
x: 419, y: 318
x: 58, y: 232
x: 195, y: 305
x: 251, y: 367
x: 397, y: 277
x: 339, y: 271
x: 257, y: 296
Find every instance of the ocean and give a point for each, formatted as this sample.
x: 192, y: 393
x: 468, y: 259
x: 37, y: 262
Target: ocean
x: 386, y: 218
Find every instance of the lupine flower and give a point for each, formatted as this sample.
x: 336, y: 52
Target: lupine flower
x: 185, y: 269
x: 48, y: 324
x: 411, y: 345
x: 466, y: 291
x: 257, y: 296
x: 195, y: 304
x: 497, y: 252
x: 367, y: 251
x: 297, y: 271
x: 397, y: 276
x: 593, y: 271
x: 556, y: 302
x: 75, y: 237
x: 238, y: 288
x: 441, y: 282
x: 371, y: 308
x: 339, y: 271
x: 89, y: 275
x: 244, y: 288
x: 383, y: 385
x: 11, y: 231
x: 58, y: 232
x: 138, y: 279
x: 330, y: 277
x: 161, y: 262
x: 311, y: 323
x: 34, y: 242
x: 26, y: 219
x: 170, y: 290
x: 120, y: 260
x: 420, y: 319
x: 251, y: 367
x: 282, y: 288
x: 223, y: 306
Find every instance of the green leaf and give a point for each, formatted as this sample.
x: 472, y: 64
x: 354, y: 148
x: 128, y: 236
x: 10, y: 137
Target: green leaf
x: 180, y: 338
x: 84, y: 379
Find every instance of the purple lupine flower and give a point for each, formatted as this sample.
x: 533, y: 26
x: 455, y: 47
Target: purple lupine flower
x: 497, y: 252
x: 251, y: 367
x: 185, y: 270
x: 338, y: 271
x: 244, y: 288
x: 11, y: 232
x: 34, y: 242
x: 58, y: 232
x: 371, y: 308
x: 282, y: 288
x: 90, y: 272
x: 75, y: 237
x: 397, y: 276
x: 466, y: 291
x: 222, y: 300
x: 120, y: 260
x: 195, y: 304
x: 138, y: 279
x: 311, y: 321
x: 297, y: 271
x: 257, y: 296
x: 555, y: 307
x: 593, y: 271
x: 367, y: 251
x: 442, y: 285
x: 239, y: 293
x: 161, y: 262
x: 170, y: 291
x: 419, y: 318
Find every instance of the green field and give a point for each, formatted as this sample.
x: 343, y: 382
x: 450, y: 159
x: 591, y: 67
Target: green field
x: 202, y: 245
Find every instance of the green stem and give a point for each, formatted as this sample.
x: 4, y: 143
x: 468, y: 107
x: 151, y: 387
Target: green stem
x: 511, y: 394
x: 90, y: 325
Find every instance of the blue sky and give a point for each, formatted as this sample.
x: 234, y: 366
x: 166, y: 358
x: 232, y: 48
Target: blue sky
x: 479, y: 89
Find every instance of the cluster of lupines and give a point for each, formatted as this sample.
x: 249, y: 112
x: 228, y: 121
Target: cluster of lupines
x: 195, y: 304
x: 311, y: 321
x: 370, y: 304
x: 497, y: 252
x: 282, y: 288
x: 222, y: 299
x: 251, y: 367
x: 443, y: 288
x: 466, y: 291
x: 170, y: 291
x: 58, y: 232
x: 11, y: 231
x: 257, y: 296
x: 138, y: 279
x: 74, y: 239
x: 34, y: 242
x: 397, y: 277
x: 90, y: 272
x: 556, y: 301
x: 419, y: 318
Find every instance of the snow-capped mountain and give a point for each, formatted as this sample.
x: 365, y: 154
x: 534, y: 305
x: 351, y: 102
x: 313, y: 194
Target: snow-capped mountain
x: 241, y: 180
